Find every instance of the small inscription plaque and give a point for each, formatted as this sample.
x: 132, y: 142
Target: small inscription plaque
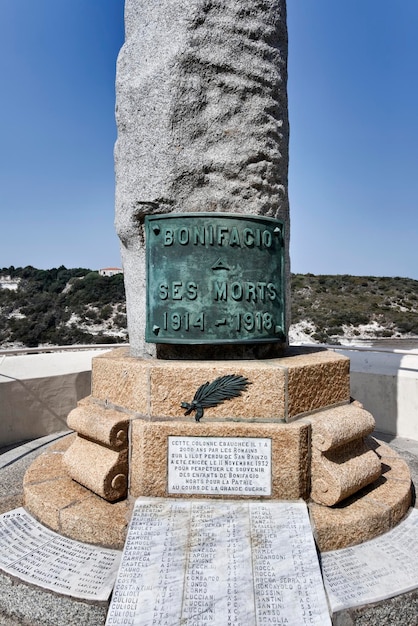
x: 375, y: 570
x: 214, y: 278
x: 230, y: 563
x: 219, y: 465
x: 39, y: 556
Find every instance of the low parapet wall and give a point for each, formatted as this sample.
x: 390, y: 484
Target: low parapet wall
x: 386, y: 383
x: 37, y: 391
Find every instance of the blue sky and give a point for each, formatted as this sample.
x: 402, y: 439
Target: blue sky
x: 353, y: 106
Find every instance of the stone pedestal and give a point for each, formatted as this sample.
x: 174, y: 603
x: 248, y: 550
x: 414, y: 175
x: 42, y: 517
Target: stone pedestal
x: 144, y: 397
x: 319, y: 449
x: 301, y: 397
x: 283, y: 389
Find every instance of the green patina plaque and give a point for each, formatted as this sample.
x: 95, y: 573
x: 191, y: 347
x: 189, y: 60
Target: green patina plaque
x: 214, y: 278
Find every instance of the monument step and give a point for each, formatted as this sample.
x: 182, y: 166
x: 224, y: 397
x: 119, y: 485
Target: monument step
x: 67, y: 507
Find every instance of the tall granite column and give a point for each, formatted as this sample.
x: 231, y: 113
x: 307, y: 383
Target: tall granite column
x: 202, y: 126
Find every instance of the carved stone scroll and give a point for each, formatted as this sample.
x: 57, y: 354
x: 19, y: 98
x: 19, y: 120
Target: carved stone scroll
x: 98, y: 458
x: 342, y: 463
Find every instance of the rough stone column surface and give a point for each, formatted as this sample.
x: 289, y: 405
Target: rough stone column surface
x: 202, y: 122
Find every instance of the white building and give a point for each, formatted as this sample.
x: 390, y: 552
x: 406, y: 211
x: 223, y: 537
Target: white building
x: 110, y: 271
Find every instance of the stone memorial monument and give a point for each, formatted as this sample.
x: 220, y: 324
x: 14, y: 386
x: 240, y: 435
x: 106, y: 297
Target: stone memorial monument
x: 210, y: 401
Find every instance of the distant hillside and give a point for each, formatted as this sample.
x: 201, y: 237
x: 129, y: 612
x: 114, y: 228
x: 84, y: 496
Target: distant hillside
x: 72, y: 306
x: 328, y: 307
x: 61, y: 307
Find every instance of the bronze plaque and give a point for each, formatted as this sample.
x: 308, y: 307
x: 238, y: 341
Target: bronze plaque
x: 214, y: 278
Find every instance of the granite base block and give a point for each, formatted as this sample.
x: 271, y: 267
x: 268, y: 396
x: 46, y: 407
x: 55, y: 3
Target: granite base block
x: 289, y: 457
x: 303, y: 380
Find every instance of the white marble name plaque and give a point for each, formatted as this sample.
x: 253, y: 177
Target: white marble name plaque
x: 39, y: 556
x: 378, y: 569
x: 225, y: 563
x: 232, y: 466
